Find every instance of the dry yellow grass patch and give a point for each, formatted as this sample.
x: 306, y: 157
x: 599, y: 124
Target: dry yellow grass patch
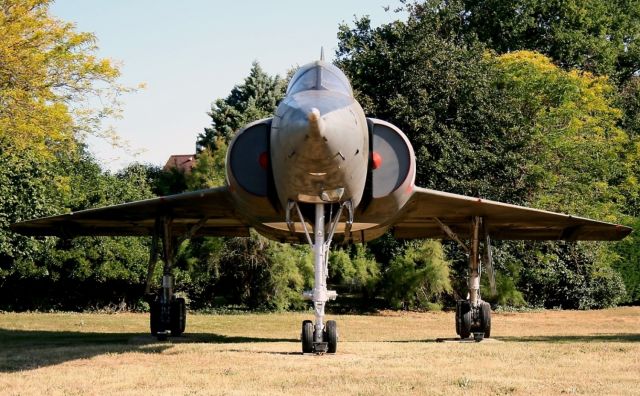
x: 551, y: 352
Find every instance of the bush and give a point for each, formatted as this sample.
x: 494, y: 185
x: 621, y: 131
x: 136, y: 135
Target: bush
x: 419, y: 278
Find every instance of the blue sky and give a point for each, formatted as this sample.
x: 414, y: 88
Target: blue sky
x: 192, y: 52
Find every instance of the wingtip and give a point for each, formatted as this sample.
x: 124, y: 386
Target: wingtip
x: 624, y: 230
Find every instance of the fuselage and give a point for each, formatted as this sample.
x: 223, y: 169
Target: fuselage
x: 318, y: 148
x: 319, y: 139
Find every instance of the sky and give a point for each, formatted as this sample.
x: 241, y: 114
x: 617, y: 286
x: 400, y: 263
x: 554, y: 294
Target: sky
x: 190, y: 53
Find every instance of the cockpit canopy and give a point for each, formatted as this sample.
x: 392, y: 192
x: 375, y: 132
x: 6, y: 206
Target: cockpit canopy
x: 321, y: 76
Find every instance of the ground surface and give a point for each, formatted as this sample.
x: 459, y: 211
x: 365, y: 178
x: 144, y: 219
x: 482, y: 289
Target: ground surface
x: 551, y: 352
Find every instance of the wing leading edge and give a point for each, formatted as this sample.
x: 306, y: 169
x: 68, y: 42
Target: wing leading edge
x: 426, y: 207
x: 204, y: 212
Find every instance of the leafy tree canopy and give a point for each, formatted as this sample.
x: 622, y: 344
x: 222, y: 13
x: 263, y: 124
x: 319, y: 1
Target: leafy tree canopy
x: 256, y: 98
x: 602, y: 37
x: 49, y: 75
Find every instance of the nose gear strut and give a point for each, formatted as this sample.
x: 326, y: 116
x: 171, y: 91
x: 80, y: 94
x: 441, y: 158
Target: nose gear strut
x: 320, y: 337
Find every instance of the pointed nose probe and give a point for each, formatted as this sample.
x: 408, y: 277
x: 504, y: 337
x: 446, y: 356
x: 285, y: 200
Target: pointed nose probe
x: 316, y: 125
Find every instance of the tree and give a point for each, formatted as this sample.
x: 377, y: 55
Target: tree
x: 86, y: 271
x: 209, y: 170
x: 260, y: 274
x: 443, y: 96
x: 49, y: 76
x: 514, y: 127
x: 602, y: 37
x: 53, y: 91
x: 354, y: 268
x: 256, y: 98
x: 577, y: 151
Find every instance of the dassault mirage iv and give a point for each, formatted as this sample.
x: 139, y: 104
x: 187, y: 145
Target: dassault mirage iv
x: 320, y: 171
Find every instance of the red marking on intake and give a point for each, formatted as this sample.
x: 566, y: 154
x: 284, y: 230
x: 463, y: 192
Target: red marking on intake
x: 376, y: 160
x: 263, y: 160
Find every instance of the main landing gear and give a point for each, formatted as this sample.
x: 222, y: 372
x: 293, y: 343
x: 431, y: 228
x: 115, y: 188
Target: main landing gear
x: 473, y: 316
x: 168, y: 314
x: 168, y: 319
x: 320, y: 337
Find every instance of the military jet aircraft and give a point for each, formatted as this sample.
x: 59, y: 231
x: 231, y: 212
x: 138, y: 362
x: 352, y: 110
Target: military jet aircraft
x: 320, y: 171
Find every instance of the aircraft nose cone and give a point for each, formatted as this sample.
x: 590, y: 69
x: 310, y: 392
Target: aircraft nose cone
x: 316, y: 124
x: 314, y: 115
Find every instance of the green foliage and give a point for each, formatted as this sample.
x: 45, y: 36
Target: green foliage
x: 26, y: 191
x: 261, y: 274
x: 419, y: 278
x: 513, y: 127
x: 577, y: 147
x: 568, y: 275
x: 599, y: 36
x: 209, y: 170
x: 49, y: 81
x: 507, y: 293
x: 256, y: 98
x: 197, y: 269
x: 445, y: 98
x: 519, y: 127
x: 354, y: 268
x: 627, y: 264
x: 629, y: 102
x: 83, y: 272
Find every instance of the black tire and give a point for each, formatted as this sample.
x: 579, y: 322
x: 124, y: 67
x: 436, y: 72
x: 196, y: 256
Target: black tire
x: 307, y: 336
x: 178, y: 317
x: 463, y: 319
x: 154, y: 317
x: 485, y: 318
x: 331, y: 336
x: 457, y: 318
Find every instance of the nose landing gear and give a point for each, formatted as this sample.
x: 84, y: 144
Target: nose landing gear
x: 321, y: 337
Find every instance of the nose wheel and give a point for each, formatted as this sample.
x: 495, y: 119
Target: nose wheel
x: 307, y: 336
x: 331, y: 336
x: 329, y: 343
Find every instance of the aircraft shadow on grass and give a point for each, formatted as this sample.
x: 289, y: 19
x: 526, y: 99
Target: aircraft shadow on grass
x: 560, y: 339
x: 29, y: 349
x: 564, y: 339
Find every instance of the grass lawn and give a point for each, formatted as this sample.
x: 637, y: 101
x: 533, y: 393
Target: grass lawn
x: 549, y: 352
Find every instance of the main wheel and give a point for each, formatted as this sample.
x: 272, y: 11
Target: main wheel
x: 307, y: 336
x: 463, y: 319
x: 331, y: 336
x: 178, y: 317
x: 154, y: 317
x: 485, y: 318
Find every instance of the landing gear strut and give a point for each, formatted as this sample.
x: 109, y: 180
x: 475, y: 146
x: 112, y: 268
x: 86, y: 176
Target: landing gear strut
x: 168, y: 314
x: 473, y: 316
x: 320, y: 337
